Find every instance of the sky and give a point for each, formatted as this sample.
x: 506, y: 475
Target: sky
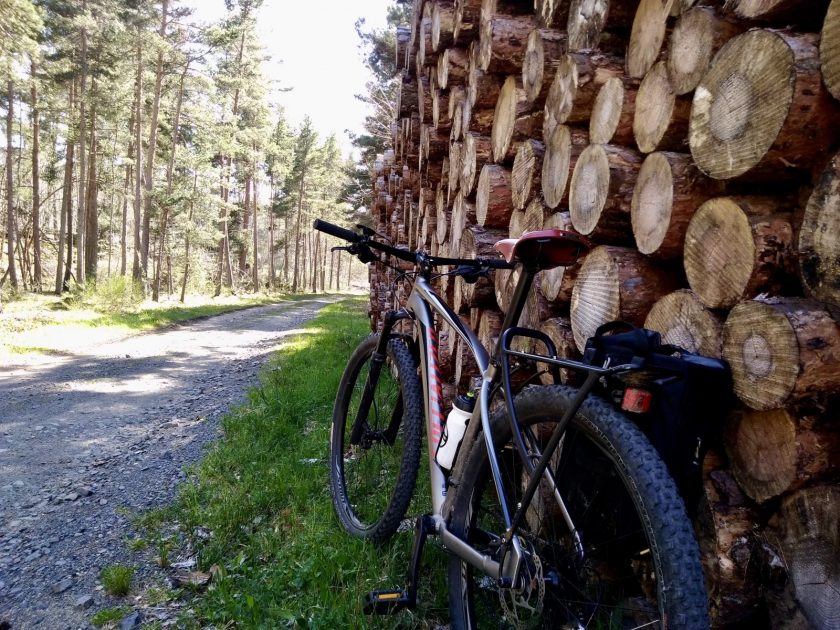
x: 314, y: 50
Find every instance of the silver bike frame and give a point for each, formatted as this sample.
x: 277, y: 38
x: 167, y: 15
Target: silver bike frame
x: 423, y: 302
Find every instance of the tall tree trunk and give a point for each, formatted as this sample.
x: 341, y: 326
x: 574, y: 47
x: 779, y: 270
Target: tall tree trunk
x: 152, y: 147
x: 246, y: 219
x: 92, y: 206
x: 11, y: 236
x: 81, y: 221
x: 129, y: 174
x: 255, y: 268
x: 187, y: 245
x: 68, y: 262
x: 338, y: 271
x: 66, y: 211
x: 170, y: 174
x: 316, y: 250
x: 286, y: 249
x: 297, y: 231
x: 36, y: 182
x: 272, y: 270
x: 137, y: 269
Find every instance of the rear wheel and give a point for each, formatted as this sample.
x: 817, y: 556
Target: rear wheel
x: 634, y: 562
x: 372, y: 480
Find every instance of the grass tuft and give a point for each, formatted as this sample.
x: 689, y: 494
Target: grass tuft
x: 261, y: 497
x: 109, y: 616
x: 116, y: 579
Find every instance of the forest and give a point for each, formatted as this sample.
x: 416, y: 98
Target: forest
x: 140, y: 144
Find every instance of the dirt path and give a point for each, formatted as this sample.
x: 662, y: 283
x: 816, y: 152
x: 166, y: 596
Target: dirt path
x: 85, y: 439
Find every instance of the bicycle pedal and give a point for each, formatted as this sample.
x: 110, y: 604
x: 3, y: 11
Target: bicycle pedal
x: 387, y: 602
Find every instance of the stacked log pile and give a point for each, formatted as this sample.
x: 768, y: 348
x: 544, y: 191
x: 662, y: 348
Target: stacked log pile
x: 696, y: 144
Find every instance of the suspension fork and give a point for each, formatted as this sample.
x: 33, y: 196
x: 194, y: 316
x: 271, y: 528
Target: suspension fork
x: 376, y: 363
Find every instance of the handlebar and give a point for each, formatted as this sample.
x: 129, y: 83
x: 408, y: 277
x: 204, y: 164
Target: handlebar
x: 361, y: 241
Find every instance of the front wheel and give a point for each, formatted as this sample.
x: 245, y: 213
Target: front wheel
x: 632, y: 560
x: 372, y: 476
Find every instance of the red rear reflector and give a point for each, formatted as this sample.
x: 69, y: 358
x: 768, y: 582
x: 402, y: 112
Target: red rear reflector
x: 636, y: 400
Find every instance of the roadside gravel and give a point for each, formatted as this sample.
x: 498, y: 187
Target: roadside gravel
x: 88, y: 439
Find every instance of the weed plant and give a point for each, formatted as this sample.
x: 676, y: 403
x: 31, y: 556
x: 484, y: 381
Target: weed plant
x: 263, y: 495
x: 116, y: 579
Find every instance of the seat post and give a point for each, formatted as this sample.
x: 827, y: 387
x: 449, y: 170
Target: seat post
x: 517, y: 303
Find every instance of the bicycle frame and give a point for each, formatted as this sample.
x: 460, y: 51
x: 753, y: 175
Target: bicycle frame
x: 422, y: 305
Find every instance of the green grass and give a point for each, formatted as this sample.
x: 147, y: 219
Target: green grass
x: 116, y: 579
x: 283, y: 559
x: 109, y: 615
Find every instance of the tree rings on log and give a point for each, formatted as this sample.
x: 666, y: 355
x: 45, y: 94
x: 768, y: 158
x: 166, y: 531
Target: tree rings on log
x: 819, y: 238
x: 561, y: 94
x: 808, y: 526
x: 830, y: 49
x: 601, y: 192
x: 559, y: 330
x: 741, y: 104
x: 544, y: 46
x: 647, y: 36
x: 654, y: 108
x: 615, y: 283
x: 781, y: 349
x: 475, y: 153
x: 667, y: 193
x: 698, y: 34
x: 558, y: 283
x: 452, y: 68
x: 556, y: 165
x: 729, y: 255
x: 443, y: 24
x: 683, y: 321
x: 504, y: 118
x: 526, y: 172
x: 493, y: 199
x: 761, y: 446
x: 606, y: 112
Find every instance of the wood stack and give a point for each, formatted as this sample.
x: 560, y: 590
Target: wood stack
x: 697, y: 147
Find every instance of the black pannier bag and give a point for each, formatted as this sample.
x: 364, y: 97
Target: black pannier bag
x: 678, y: 398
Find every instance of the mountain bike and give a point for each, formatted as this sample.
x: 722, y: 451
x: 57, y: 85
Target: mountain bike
x: 556, y: 512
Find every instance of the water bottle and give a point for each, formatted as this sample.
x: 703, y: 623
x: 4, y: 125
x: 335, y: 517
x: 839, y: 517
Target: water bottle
x: 453, y: 431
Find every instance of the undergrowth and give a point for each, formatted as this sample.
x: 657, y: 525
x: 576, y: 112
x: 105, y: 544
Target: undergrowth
x: 259, y: 506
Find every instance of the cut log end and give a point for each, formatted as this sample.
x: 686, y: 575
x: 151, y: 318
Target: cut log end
x: 646, y: 36
x: 683, y: 321
x: 654, y: 108
x: 589, y: 187
x: 741, y: 104
x: 830, y: 49
x: 606, y: 112
x: 650, y: 212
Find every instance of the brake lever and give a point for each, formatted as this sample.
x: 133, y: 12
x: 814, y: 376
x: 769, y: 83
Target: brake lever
x: 342, y: 248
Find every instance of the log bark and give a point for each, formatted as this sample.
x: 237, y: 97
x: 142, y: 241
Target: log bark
x: 683, y: 321
x: 503, y: 43
x: 762, y: 108
x: 557, y: 284
x: 489, y: 328
x: 601, y: 192
x: 737, y: 248
x: 615, y: 283
x: 544, y: 48
x: 552, y: 13
x: 526, y: 172
x: 806, y: 531
x: 467, y: 15
x: 819, y: 239
x: 443, y: 24
x: 575, y: 85
x: 559, y: 330
x: 493, y: 198
x: 479, y: 242
x: 453, y: 67
x: 660, y: 119
x: 830, y: 49
x: 647, y: 35
x: 562, y: 150
x: 476, y: 153
x: 668, y: 191
x: 781, y: 350
x: 776, y: 451
x: 482, y: 88
x: 724, y: 527
x: 698, y: 34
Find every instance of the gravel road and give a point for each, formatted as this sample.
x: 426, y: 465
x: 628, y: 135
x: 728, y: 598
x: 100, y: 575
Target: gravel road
x: 87, y: 438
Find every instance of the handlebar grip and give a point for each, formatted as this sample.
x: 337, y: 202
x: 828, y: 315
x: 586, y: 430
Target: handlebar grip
x: 334, y: 230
